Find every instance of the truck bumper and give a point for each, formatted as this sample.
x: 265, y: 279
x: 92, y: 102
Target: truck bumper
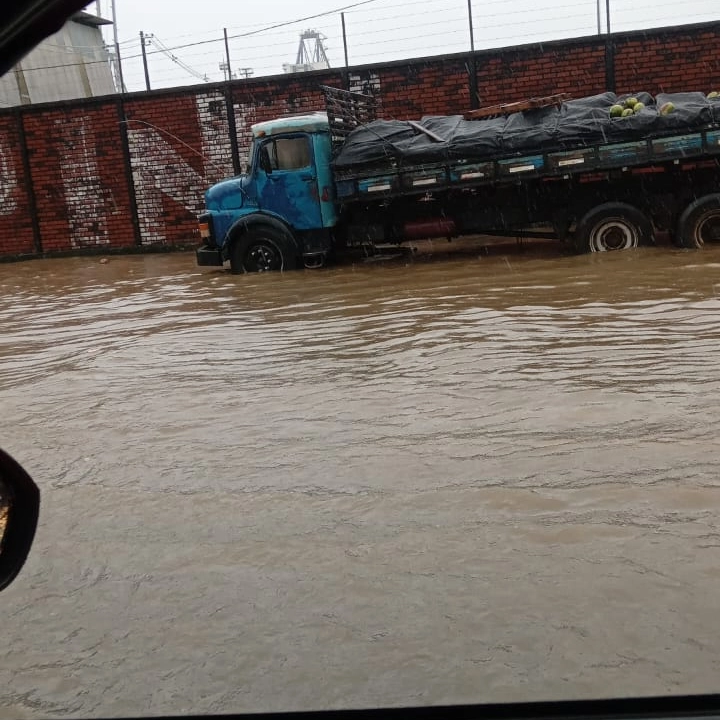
x: 209, y: 256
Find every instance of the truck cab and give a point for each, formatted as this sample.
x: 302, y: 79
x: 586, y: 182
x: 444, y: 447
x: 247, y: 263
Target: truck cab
x: 281, y: 212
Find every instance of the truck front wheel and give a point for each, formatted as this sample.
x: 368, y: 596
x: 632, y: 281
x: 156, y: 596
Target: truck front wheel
x: 612, y: 226
x: 700, y: 223
x: 262, y: 250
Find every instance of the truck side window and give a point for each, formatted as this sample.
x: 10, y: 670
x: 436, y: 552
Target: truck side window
x: 289, y: 153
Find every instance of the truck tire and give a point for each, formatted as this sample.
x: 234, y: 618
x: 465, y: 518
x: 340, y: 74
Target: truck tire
x: 612, y: 226
x: 699, y: 223
x: 263, y: 250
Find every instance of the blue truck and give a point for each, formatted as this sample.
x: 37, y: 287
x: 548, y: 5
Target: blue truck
x: 326, y: 184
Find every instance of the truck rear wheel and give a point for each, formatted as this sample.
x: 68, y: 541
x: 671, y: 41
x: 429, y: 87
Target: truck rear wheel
x: 612, y: 226
x: 699, y: 223
x: 262, y: 250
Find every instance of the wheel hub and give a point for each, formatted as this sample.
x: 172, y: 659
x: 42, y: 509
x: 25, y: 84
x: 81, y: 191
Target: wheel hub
x: 613, y: 234
x: 708, y: 229
x: 262, y: 258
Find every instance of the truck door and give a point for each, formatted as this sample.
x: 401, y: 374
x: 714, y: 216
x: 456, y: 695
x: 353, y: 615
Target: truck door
x: 287, y: 182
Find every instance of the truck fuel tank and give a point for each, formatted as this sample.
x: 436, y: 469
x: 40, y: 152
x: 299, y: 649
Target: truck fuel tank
x: 436, y: 227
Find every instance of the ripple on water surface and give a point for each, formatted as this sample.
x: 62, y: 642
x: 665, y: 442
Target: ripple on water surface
x: 386, y: 484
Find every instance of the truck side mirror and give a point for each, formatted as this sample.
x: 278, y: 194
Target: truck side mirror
x: 264, y: 157
x: 19, y: 509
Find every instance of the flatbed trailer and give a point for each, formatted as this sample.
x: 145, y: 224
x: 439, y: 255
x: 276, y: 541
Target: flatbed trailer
x: 659, y: 175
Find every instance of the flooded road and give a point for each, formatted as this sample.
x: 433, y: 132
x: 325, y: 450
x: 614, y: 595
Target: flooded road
x: 474, y: 479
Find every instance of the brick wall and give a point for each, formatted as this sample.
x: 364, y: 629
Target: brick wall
x: 669, y: 62
x: 168, y: 169
x: 114, y: 173
x: 16, y: 236
x: 577, y: 69
x: 81, y: 194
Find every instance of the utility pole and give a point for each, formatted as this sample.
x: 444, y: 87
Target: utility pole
x: 245, y: 73
x: 230, y: 107
x: 117, y: 46
x: 143, y: 39
x: 227, y: 75
x: 227, y: 57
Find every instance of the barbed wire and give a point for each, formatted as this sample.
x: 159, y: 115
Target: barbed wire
x: 391, y: 35
x: 504, y: 12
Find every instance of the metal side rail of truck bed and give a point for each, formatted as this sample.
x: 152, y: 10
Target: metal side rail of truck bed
x: 378, y: 182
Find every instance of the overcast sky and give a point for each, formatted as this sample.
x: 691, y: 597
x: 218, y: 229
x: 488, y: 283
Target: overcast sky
x: 376, y: 30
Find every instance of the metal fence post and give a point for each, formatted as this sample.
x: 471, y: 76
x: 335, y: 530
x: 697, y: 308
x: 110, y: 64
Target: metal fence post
x: 344, y: 76
x: 472, y: 69
x: 342, y: 19
x: 607, y: 13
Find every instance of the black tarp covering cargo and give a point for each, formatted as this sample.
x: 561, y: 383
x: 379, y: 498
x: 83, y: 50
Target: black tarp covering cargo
x: 576, y: 123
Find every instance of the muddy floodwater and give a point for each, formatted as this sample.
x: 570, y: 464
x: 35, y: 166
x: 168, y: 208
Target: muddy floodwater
x: 470, y: 479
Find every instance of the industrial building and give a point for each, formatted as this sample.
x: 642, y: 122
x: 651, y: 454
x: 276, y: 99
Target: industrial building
x: 72, y: 63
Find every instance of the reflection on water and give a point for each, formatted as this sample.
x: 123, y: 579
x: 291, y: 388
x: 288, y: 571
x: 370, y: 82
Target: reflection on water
x: 476, y: 479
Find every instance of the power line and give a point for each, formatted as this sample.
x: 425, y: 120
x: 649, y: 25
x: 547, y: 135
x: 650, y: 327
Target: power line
x: 415, y: 33
x: 177, y: 61
x: 272, y: 27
